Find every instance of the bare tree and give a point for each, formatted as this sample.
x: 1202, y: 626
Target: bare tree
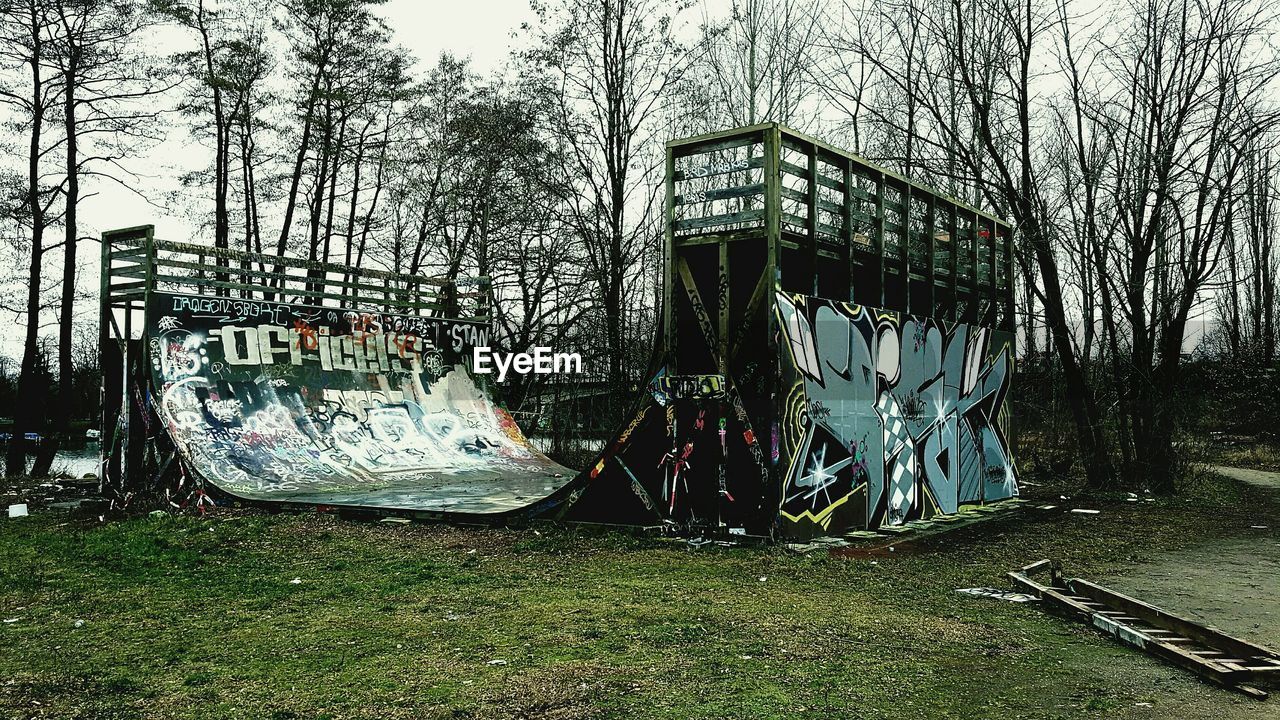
x: 756, y: 64
x: 1246, y: 306
x: 1187, y: 102
x: 612, y: 63
x: 104, y: 83
x: 29, y: 88
x: 985, y: 50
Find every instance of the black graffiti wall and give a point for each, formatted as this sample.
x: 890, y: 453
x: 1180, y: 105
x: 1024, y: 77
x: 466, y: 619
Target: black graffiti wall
x: 888, y: 417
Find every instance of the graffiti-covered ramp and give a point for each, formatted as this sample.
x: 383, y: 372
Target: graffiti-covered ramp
x: 308, y: 406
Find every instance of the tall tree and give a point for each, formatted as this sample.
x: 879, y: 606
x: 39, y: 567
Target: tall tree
x: 1185, y: 99
x: 758, y: 62
x: 29, y: 88
x: 612, y: 64
x: 225, y: 72
x: 325, y: 40
x: 987, y: 49
x: 104, y: 81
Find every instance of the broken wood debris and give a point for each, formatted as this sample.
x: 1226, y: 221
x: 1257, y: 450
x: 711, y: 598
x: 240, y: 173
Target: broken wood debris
x: 1210, y: 653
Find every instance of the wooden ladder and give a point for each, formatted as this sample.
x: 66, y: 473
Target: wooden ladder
x: 1210, y: 653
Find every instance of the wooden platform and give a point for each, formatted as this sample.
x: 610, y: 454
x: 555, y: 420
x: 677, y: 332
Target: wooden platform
x: 890, y: 540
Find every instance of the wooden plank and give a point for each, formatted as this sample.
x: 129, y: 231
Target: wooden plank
x: 796, y: 220
x: 930, y: 222
x: 711, y: 238
x: 792, y: 169
x: 684, y: 146
x: 823, y: 204
x: 710, y: 146
x: 833, y: 208
x: 724, y: 219
x: 803, y: 173
x: 1071, y: 602
x: 812, y: 203
x: 846, y: 228
x: 714, y: 169
x: 295, y: 293
x: 304, y: 280
x: 877, y: 232
x: 129, y: 254
x: 236, y: 255
x: 726, y: 193
x: 793, y: 194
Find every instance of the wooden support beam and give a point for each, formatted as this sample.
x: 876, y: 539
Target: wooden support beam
x: 812, y: 202
x: 930, y: 218
x: 734, y: 218
x: 953, y: 261
x: 877, y: 230
x: 722, y: 308
x: 669, y: 261
x: 846, y: 227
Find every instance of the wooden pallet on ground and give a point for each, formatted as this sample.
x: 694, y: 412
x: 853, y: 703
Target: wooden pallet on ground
x: 1210, y: 653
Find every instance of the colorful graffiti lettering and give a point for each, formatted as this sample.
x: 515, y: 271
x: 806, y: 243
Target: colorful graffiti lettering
x: 359, y: 408
x: 903, y: 420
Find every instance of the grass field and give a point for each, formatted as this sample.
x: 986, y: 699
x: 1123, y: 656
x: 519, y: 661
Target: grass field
x: 202, y: 618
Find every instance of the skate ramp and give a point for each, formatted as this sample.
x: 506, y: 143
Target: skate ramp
x: 296, y: 405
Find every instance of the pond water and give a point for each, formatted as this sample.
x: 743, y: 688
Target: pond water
x: 76, y: 458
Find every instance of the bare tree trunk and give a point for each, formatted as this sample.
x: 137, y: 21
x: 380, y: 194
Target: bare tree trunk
x: 295, y: 179
x: 222, y: 148
x: 61, y: 415
x: 27, y: 412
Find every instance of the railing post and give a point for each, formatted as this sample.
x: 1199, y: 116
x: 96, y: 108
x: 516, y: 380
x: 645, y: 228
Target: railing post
x: 107, y: 405
x: 811, y: 199
x: 877, y: 230
x: 930, y: 224
x: 846, y: 225
x: 953, y: 232
x: 669, y: 259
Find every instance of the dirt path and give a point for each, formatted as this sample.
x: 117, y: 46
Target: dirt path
x: 1231, y: 584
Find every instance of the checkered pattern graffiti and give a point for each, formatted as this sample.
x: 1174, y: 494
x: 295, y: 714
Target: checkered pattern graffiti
x: 910, y: 409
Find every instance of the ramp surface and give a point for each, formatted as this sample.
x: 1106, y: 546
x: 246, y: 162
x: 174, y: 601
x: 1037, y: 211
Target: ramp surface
x: 297, y: 405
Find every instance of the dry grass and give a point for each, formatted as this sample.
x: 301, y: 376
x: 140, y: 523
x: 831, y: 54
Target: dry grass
x: 192, y: 618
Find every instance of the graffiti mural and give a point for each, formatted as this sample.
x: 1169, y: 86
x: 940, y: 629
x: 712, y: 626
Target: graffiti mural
x: 270, y: 401
x: 889, y: 417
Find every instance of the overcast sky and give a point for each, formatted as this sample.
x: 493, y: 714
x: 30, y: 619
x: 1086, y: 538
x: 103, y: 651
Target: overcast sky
x: 478, y: 29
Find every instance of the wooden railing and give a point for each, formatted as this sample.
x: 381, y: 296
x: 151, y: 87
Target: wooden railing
x: 134, y: 263
x: 836, y: 205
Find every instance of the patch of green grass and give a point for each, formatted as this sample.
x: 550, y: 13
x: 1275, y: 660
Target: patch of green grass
x: 200, y: 618
x: 1257, y: 455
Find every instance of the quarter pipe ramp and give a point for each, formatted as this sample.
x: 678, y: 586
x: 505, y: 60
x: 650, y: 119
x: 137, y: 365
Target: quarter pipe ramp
x: 297, y: 405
